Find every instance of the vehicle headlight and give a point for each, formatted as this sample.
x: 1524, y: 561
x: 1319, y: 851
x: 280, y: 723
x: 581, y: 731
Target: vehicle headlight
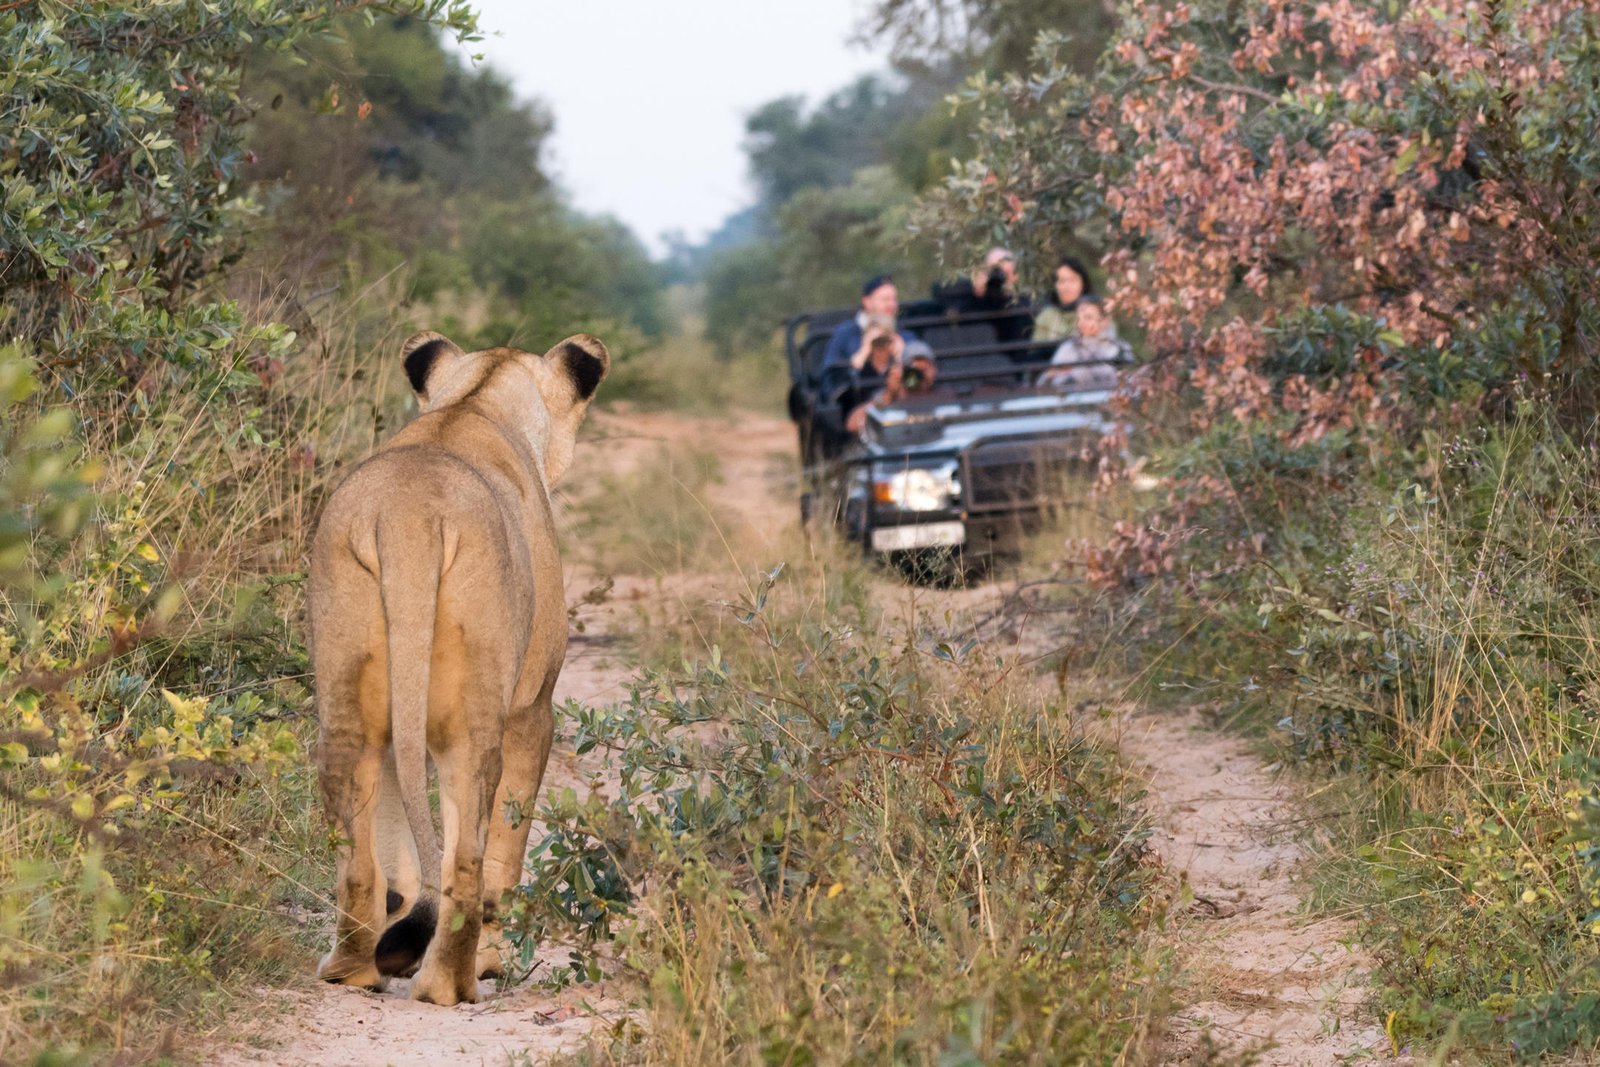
x: 918, y: 488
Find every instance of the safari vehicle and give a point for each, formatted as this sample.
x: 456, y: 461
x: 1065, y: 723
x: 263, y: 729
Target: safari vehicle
x: 963, y: 469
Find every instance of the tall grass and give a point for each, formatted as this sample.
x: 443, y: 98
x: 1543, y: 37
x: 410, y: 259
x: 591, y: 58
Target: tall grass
x: 654, y: 518
x: 841, y: 835
x: 681, y: 372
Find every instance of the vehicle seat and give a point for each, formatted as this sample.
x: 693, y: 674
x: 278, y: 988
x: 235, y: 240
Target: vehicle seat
x: 960, y: 335
x: 962, y: 374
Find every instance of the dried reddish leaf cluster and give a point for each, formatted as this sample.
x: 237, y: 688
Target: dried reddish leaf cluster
x: 1338, y: 166
x: 1319, y: 215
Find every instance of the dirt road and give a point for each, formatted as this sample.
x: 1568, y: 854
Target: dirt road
x: 1255, y: 970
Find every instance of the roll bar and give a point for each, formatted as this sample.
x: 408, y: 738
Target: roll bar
x: 793, y: 342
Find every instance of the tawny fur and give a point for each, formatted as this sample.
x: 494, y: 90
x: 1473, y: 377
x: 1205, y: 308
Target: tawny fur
x: 438, y: 628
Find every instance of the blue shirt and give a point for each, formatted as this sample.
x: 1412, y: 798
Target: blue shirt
x: 846, y: 340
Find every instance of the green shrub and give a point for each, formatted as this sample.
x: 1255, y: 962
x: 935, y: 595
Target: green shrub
x: 137, y: 858
x: 120, y: 149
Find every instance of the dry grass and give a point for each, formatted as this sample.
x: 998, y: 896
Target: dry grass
x: 900, y: 849
x: 681, y: 372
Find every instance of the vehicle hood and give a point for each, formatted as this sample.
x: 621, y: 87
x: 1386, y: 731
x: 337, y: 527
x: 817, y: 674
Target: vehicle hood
x: 956, y: 425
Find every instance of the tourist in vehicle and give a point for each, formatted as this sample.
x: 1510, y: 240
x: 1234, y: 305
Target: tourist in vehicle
x: 921, y: 368
x: 898, y: 379
x: 1057, y: 320
x: 851, y: 343
x: 988, y: 293
x: 1091, y: 355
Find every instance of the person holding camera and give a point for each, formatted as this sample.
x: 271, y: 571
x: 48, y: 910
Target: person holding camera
x: 911, y: 376
x: 990, y: 294
x: 920, y: 368
x: 995, y: 285
x: 852, y: 340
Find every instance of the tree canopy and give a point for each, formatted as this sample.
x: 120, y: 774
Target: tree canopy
x: 386, y: 152
x: 834, y: 187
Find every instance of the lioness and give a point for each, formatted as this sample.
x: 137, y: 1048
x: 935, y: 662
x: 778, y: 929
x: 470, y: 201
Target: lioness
x: 437, y: 629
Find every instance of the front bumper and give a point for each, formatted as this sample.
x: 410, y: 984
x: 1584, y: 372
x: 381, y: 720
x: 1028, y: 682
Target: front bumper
x: 912, y: 536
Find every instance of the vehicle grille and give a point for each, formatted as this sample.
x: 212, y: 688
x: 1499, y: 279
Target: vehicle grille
x: 1022, y: 474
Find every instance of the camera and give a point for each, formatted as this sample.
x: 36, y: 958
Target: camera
x: 997, y: 281
x: 912, y: 377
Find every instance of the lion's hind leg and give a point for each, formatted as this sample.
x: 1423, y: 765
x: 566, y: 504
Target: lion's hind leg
x: 472, y: 680
x: 353, y: 711
x: 410, y: 914
x: 359, y: 881
x: 448, y: 974
x: 530, y: 728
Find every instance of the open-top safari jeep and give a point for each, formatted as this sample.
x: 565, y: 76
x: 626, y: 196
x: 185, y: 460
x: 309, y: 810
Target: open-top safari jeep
x: 964, y: 469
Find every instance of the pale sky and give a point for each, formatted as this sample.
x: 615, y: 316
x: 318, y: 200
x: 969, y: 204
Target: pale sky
x: 650, y: 96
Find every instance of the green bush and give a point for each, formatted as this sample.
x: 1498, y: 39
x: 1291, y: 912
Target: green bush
x: 137, y: 856
x: 120, y: 155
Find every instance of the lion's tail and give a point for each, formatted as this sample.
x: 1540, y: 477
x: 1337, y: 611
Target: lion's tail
x: 410, y: 603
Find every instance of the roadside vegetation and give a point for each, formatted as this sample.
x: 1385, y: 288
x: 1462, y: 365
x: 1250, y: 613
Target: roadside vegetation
x: 193, y: 351
x: 837, y: 835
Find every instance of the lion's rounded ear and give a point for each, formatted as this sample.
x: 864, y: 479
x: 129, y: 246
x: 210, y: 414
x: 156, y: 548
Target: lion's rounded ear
x: 421, y: 354
x: 585, y: 360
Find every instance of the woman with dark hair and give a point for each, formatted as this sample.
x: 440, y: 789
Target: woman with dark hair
x: 1059, y: 319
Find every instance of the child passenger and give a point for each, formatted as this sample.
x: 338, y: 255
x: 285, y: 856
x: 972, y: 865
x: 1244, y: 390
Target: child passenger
x: 1089, y: 358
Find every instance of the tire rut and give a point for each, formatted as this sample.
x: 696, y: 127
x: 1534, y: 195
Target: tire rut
x: 1256, y: 972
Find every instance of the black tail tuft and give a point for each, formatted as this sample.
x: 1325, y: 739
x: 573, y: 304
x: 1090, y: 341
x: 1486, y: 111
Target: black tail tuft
x: 402, y: 945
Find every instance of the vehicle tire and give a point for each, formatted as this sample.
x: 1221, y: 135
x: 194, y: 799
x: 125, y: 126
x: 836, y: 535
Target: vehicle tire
x: 855, y: 523
x: 808, y: 444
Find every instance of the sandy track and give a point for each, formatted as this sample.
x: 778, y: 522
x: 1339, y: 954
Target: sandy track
x: 1256, y: 971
